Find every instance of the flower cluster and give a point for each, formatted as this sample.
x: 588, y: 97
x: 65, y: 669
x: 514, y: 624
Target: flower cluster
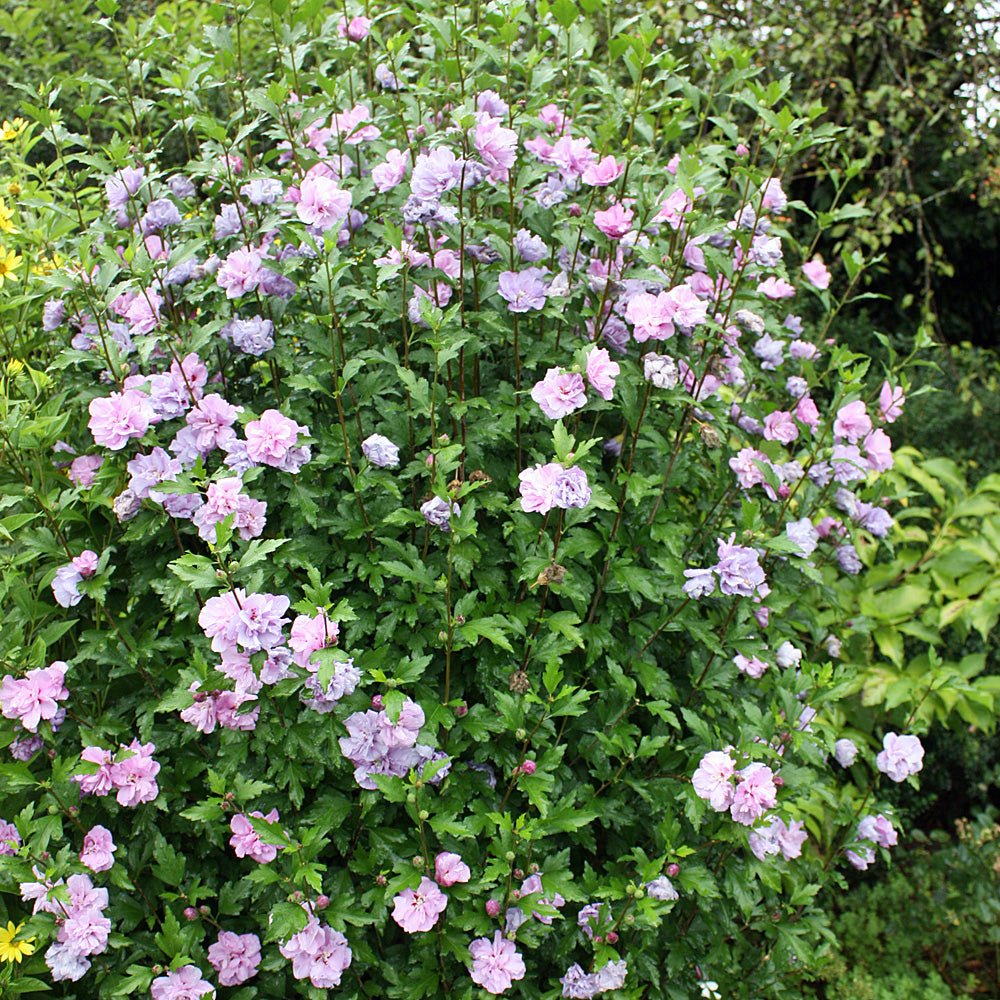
x: 130, y: 772
x: 375, y: 744
x: 318, y: 953
x: 83, y: 929
x: 747, y: 798
x: 35, y: 698
x: 553, y: 485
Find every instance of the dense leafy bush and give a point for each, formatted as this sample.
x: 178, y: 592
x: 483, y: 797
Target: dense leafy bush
x: 382, y: 609
x: 930, y: 928
x: 938, y: 597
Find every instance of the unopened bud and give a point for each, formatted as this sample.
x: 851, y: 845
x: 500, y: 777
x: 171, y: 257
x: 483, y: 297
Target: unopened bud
x: 322, y: 902
x: 381, y: 880
x: 424, y: 815
x: 418, y: 861
x: 673, y: 870
x: 377, y: 703
x: 575, y: 211
x: 528, y: 767
x: 492, y: 907
x: 779, y: 780
x: 190, y: 913
x: 612, y: 937
x: 204, y: 910
x: 518, y: 873
x: 461, y: 710
x: 510, y: 856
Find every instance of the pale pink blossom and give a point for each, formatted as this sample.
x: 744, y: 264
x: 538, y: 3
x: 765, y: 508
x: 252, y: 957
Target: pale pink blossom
x: 816, y: 273
x: 602, y: 372
x: 755, y: 794
x: 712, y: 780
x: 99, y: 848
x: 495, y: 964
x: 120, y: 417
x: 322, y: 202
x: 560, y: 393
x: 417, y: 910
x: 900, y: 757
x: 601, y: 174
x: 615, y: 221
x: 450, y: 868
x: 852, y: 423
x: 246, y: 842
x: 890, y: 402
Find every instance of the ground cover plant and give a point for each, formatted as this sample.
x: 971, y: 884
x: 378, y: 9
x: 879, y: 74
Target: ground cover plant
x: 428, y: 486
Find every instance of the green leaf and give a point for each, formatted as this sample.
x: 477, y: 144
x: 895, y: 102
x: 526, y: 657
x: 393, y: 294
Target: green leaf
x: 491, y: 628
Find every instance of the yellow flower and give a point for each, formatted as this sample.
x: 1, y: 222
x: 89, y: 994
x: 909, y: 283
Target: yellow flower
x: 6, y: 226
x: 12, y: 129
x: 11, y: 950
x: 9, y: 261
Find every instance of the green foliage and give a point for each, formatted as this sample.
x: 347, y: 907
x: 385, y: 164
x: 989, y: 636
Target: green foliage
x: 566, y: 684
x: 929, y: 928
x: 939, y: 590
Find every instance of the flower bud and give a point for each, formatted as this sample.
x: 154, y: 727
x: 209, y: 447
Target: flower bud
x: 322, y: 902
x: 779, y: 781
x: 528, y: 767
x: 418, y: 861
x: 510, y: 856
x: 673, y: 870
x: 424, y: 815
x: 518, y: 873
x: 461, y: 710
x: 612, y: 937
x: 377, y: 703
x: 520, y: 734
x: 575, y: 211
x: 381, y: 880
x: 204, y: 910
x: 492, y: 907
x: 190, y: 913
x: 296, y: 897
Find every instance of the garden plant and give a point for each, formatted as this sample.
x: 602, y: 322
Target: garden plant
x: 438, y: 518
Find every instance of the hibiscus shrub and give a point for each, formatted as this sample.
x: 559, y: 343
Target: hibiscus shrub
x: 423, y: 503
